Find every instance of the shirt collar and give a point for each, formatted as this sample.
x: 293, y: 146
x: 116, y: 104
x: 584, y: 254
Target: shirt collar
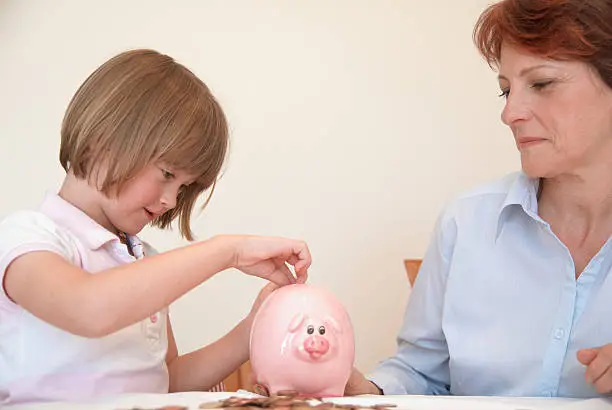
x: 523, y: 193
x: 78, y: 222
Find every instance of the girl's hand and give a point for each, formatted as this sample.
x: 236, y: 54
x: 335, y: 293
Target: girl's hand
x: 263, y: 295
x: 270, y: 257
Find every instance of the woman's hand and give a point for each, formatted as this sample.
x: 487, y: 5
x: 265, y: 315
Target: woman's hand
x: 598, y: 362
x: 357, y: 384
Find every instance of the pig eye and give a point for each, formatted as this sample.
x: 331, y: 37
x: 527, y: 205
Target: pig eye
x: 310, y: 329
x: 322, y: 330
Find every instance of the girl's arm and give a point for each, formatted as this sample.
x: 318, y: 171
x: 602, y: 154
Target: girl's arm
x: 56, y: 291
x: 206, y: 367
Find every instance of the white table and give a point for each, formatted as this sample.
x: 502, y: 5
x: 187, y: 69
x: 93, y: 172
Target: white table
x: 193, y: 400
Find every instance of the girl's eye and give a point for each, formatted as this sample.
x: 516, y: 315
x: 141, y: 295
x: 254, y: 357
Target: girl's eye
x: 505, y: 93
x: 167, y: 174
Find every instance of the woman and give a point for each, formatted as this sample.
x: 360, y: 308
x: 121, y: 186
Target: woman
x: 514, y: 294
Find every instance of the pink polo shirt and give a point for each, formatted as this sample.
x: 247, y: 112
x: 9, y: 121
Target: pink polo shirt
x: 40, y: 362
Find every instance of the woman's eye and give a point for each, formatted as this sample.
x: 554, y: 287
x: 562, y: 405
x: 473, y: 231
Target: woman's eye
x: 541, y: 84
x: 505, y: 93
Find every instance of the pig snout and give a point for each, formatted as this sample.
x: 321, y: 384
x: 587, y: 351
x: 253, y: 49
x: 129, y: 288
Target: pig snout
x: 316, y: 346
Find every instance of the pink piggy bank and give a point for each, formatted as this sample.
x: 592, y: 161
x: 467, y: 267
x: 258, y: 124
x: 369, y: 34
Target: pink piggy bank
x: 302, y: 340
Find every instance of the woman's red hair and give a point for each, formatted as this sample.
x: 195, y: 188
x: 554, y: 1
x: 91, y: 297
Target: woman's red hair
x: 579, y: 30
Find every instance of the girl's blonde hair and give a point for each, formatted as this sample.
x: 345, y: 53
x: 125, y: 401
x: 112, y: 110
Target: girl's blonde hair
x: 139, y: 107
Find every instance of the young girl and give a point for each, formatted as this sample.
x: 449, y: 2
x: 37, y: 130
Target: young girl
x: 83, y: 306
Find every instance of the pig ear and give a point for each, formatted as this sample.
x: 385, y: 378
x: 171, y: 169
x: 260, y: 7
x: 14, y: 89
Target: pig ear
x: 330, y: 321
x: 296, y: 322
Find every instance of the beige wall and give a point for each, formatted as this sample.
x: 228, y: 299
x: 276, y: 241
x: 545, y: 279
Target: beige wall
x: 352, y: 121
